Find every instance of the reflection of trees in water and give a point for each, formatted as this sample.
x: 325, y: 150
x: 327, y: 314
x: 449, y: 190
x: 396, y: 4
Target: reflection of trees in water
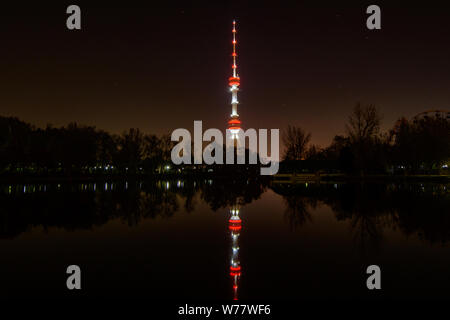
x: 140, y: 205
x: 299, y: 200
x: 228, y: 192
x: 366, y: 207
x: 414, y: 209
x: 152, y: 205
x: 23, y: 212
x: 69, y: 208
x: 296, y: 212
x: 367, y: 232
x: 421, y: 209
x: 188, y: 193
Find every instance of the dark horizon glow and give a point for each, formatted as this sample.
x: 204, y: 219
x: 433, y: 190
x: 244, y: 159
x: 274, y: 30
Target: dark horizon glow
x: 160, y: 68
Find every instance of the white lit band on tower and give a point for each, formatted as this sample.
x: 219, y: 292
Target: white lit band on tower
x: 234, y: 224
x: 234, y: 124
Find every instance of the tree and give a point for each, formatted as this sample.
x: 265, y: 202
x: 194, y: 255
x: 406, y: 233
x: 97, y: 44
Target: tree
x: 153, y: 155
x: 363, y: 123
x: 423, y: 144
x: 314, y: 152
x: 296, y: 141
x: 15, y: 142
x: 106, y: 148
x: 365, y: 142
x: 131, y: 149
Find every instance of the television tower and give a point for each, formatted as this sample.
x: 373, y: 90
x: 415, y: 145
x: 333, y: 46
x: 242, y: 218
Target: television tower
x: 234, y: 124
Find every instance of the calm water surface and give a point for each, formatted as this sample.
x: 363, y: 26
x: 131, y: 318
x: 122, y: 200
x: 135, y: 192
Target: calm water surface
x: 183, y: 239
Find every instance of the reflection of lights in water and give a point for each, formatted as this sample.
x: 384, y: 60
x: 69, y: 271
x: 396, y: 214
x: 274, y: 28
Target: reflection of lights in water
x: 234, y: 225
x: 126, y: 185
x: 167, y: 185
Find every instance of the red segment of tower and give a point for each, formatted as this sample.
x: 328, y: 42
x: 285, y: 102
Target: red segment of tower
x: 234, y: 81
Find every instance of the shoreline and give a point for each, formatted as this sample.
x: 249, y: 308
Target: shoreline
x: 278, y: 178
x: 337, y: 177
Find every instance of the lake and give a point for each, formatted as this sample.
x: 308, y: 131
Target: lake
x: 225, y: 239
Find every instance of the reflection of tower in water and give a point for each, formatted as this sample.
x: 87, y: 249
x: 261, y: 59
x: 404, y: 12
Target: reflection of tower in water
x: 235, y: 225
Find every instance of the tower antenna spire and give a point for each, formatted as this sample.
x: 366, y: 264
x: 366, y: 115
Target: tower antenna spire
x: 234, y: 50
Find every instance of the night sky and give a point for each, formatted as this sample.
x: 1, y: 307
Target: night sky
x: 159, y: 67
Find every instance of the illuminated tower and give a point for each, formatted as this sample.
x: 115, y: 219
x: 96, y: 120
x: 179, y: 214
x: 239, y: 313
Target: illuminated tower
x: 234, y: 124
x: 235, y: 265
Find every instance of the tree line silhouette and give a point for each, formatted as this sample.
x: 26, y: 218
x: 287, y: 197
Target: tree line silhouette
x: 76, y: 149
x: 411, y: 146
